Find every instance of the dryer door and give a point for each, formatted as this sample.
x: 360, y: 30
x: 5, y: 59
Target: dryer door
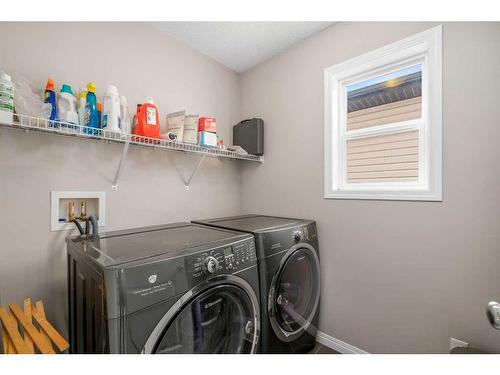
x: 221, y: 318
x: 294, y: 293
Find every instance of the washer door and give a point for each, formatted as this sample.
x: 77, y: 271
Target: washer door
x: 217, y: 319
x: 294, y: 293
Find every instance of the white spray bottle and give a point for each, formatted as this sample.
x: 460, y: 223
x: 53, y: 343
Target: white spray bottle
x: 124, y: 115
x: 6, y: 99
x: 82, y: 99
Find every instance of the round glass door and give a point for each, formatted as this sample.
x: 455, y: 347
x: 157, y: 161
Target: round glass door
x: 219, y: 320
x: 296, y: 295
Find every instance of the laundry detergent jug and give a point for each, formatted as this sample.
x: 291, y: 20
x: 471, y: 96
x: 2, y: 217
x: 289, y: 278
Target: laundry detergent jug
x: 66, y: 106
x: 147, y: 120
x: 91, y: 114
x: 50, y: 97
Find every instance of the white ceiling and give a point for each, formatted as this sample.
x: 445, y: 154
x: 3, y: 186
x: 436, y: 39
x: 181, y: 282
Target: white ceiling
x: 240, y: 45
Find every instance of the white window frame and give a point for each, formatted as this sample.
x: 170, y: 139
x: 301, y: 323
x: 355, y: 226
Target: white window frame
x: 424, y: 48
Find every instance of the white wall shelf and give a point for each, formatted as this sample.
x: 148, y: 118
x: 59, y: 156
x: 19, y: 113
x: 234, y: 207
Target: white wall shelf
x: 34, y: 124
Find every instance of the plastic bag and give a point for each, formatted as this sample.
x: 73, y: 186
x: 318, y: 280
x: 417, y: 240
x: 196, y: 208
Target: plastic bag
x: 26, y: 102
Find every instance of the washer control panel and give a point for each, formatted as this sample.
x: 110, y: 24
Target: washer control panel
x: 304, y: 233
x: 297, y: 236
x: 276, y: 241
x: 210, y: 264
x: 222, y: 260
x: 239, y: 256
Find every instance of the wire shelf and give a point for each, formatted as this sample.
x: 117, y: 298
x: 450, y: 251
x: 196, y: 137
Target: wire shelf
x: 29, y: 123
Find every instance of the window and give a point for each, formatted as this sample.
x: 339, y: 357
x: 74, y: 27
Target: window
x: 383, y: 122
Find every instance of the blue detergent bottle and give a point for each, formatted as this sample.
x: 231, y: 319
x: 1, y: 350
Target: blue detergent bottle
x: 50, y: 97
x: 91, y: 114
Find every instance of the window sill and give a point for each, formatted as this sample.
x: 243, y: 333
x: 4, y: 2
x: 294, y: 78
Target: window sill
x: 386, y: 195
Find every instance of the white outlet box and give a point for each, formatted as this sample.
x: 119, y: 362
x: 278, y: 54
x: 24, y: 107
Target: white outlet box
x: 456, y: 343
x: 96, y: 205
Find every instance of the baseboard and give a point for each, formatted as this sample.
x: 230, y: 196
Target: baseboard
x: 337, y: 345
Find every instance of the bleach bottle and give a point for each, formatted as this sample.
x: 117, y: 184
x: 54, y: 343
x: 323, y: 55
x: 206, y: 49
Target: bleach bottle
x: 50, y: 97
x: 111, y: 110
x: 66, y: 106
x: 91, y: 114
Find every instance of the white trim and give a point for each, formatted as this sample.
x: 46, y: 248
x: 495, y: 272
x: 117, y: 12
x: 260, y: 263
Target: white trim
x: 392, y: 128
x: 56, y: 196
x: 423, y: 48
x: 338, y: 345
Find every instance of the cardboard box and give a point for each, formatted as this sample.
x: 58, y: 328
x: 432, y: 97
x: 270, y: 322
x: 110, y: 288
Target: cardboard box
x: 175, y: 124
x: 190, y: 129
x: 207, y: 139
x: 207, y: 124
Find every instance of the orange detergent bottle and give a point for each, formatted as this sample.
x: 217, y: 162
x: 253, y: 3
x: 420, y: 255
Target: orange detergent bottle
x: 147, y: 120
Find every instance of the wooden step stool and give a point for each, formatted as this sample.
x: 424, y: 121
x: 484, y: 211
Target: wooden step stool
x: 29, y: 340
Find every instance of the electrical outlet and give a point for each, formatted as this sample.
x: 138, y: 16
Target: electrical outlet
x: 456, y: 343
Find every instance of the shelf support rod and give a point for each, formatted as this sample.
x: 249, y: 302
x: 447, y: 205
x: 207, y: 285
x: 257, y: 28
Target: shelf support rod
x: 120, y: 166
x: 187, y: 182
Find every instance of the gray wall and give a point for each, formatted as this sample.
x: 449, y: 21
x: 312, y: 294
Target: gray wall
x: 140, y: 61
x: 398, y: 277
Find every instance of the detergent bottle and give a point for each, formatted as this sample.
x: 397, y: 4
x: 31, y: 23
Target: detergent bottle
x: 66, y: 106
x: 50, y: 97
x: 91, y: 114
x: 124, y: 115
x: 82, y: 100
x: 135, y: 120
x: 99, y: 113
x: 148, y: 120
x: 111, y: 110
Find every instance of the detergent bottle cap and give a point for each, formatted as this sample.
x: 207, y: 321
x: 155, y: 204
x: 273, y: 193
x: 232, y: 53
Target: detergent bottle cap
x: 83, y: 94
x: 99, y: 107
x: 149, y: 100
x: 50, y: 85
x: 111, y: 90
x: 67, y: 89
x: 91, y: 87
x: 4, y: 76
x: 123, y: 100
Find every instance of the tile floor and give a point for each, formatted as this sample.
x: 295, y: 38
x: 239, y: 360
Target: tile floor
x: 322, y: 349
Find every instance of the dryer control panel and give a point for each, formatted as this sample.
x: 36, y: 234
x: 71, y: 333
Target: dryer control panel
x: 227, y: 259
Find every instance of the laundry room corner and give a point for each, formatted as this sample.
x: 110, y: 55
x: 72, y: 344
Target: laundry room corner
x: 151, y: 188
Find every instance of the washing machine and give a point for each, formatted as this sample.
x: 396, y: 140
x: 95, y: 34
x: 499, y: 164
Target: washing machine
x: 178, y: 288
x: 289, y: 271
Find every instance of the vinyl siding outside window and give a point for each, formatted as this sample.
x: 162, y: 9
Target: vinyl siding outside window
x: 391, y: 99
x: 383, y: 122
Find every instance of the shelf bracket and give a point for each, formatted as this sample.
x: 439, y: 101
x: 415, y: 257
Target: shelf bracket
x: 114, y: 187
x: 187, y: 182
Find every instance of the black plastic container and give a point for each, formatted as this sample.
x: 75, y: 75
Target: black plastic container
x: 249, y: 135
